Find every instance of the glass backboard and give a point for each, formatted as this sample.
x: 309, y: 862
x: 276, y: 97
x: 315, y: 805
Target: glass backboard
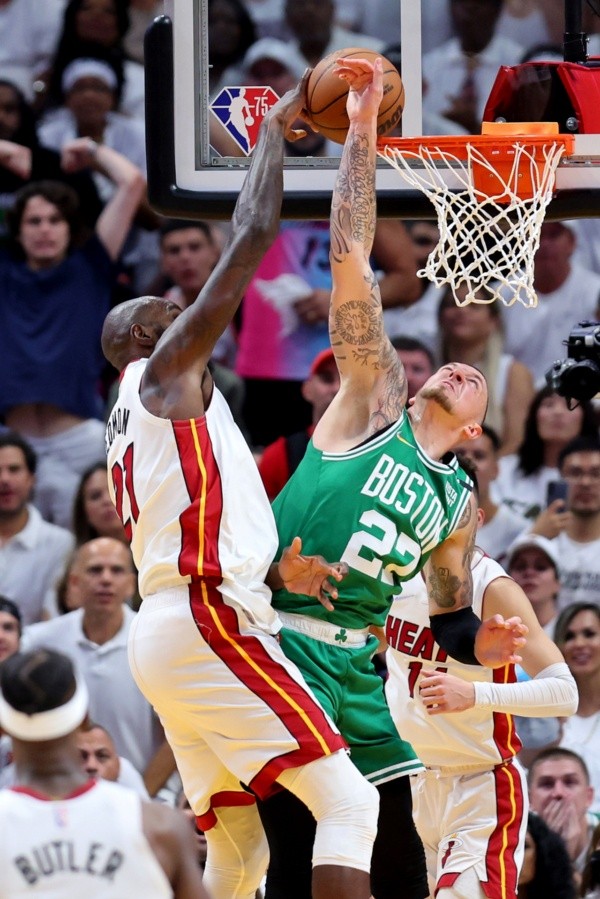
x: 537, y: 63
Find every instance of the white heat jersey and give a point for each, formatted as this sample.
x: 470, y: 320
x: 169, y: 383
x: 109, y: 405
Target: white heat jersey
x: 191, y: 499
x: 90, y: 845
x: 473, y: 737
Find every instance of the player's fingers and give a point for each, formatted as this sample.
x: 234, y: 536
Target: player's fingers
x: 295, y: 134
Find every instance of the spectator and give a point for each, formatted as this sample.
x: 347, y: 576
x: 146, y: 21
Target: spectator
x: 10, y: 640
x: 53, y: 301
x: 459, y: 73
x: 10, y: 628
x: 32, y: 551
x: 93, y: 512
x: 578, y: 636
x: 501, y: 524
x: 416, y: 316
x: 417, y: 360
x: 314, y: 34
x: 97, y: 28
x: 567, y: 293
x: 90, y: 93
x: 280, y: 459
x: 546, y: 871
x: 534, y: 563
x: 28, y: 34
x: 65, y: 595
x: 472, y: 334
x: 550, y: 425
x: 24, y: 159
x: 561, y: 794
x: 95, y: 636
x: 101, y: 760
x: 231, y: 32
x: 574, y: 524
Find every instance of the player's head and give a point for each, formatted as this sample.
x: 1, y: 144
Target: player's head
x: 456, y: 397
x: 132, y: 329
x: 41, y: 697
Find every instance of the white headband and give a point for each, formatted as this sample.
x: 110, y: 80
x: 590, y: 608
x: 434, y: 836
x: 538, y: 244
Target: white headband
x: 88, y: 68
x: 45, y: 725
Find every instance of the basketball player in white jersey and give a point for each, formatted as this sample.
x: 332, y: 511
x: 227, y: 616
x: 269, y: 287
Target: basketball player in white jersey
x: 62, y: 833
x: 470, y: 804
x: 237, y: 714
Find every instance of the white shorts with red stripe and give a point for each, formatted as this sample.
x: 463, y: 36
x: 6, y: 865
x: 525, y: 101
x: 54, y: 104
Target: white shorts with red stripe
x: 473, y: 820
x: 235, y: 710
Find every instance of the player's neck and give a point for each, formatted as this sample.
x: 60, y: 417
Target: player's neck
x: 435, y: 438
x: 52, y: 768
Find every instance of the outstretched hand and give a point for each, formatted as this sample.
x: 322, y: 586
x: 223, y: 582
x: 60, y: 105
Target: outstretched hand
x: 365, y: 86
x: 499, y: 640
x: 310, y: 575
x: 290, y: 108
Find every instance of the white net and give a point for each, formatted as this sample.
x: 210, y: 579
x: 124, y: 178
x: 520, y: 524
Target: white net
x: 487, y: 239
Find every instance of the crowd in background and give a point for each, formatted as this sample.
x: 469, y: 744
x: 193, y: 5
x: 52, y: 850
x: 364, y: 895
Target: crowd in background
x: 78, y: 235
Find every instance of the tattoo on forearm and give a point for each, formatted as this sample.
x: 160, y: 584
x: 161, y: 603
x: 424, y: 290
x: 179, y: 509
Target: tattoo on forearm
x: 448, y: 591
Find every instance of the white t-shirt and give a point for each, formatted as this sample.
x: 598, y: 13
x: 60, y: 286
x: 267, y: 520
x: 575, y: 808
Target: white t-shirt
x: 579, y: 570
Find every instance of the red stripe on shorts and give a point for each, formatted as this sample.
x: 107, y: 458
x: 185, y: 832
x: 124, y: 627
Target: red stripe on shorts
x: 217, y: 800
x: 265, y: 676
x: 447, y: 881
x: 500, y: 863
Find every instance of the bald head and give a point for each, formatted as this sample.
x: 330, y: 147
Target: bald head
x: 131, y: 330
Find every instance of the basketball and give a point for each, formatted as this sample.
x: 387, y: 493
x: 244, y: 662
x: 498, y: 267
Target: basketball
x: 327, y: 93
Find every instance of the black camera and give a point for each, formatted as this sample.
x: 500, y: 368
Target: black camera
x: 578, y: 377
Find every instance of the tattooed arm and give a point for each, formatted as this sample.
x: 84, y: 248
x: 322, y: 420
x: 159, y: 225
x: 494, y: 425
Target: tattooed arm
x: 448, y: 569
x: 373, y: 386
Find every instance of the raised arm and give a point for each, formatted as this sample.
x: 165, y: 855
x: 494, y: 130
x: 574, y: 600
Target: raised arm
x: 371, y: 374
x: 189, y: 342
x: 115, y: 219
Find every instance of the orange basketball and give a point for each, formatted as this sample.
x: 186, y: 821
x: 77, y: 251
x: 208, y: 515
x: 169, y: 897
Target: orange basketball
x: 327, y: 93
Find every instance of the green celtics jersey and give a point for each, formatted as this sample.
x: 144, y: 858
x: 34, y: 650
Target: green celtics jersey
x: 381, y: 508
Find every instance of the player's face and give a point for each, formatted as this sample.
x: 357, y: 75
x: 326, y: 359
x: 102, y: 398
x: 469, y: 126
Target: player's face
x: 481, y: 453
x: 188, y: 257
x: 16, y: 481
x: 535, y: 574
x: 460, y: 390
x: 44, y: 234
x: 556, y: 422
x: 557, y: 781
x: 104, y: 575
x: 98, y: 507
x: 581, y: 647
x: 582, y: 473
x: 9, y: 635
x: 98, y: 754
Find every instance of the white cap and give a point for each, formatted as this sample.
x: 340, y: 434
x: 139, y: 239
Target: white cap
x: 272, y: 48
x: 527, y: 541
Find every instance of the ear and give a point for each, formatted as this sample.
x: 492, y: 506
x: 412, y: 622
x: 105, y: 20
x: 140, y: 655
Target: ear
x: 480, y: 517
x: 411, y: 401
x: 141, y: 335
x: 472, y: 431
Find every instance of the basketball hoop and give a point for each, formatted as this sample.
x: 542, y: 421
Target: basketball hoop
x: 490, y: 193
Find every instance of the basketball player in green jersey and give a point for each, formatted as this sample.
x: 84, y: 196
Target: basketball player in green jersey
x: 378, y: 489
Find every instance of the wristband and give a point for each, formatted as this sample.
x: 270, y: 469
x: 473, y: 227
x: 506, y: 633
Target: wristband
x: 455, y: 632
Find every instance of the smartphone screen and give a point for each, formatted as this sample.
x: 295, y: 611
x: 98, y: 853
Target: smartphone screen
x: 556, y: 490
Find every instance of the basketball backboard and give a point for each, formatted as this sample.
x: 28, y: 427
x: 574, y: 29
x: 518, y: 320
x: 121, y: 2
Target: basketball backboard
x: 192, y: 172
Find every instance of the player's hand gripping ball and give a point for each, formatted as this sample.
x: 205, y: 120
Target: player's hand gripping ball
x: 326, y: 95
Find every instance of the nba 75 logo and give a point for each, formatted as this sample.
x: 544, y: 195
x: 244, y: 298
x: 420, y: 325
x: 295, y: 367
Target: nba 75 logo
x: 241, y: 110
